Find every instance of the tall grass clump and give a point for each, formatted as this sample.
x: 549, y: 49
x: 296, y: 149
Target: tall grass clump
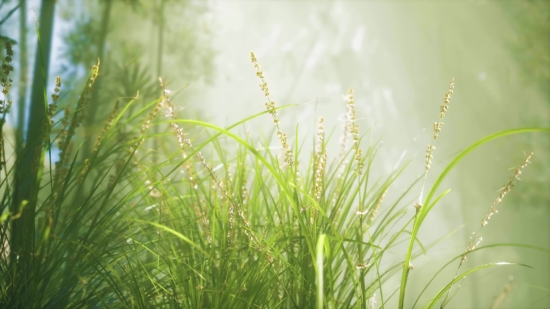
x: 217, y: 220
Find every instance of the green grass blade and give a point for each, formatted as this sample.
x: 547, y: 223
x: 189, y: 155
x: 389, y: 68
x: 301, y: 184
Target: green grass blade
x: 461, y: 276
x: 424, y: 210
x: 319, y: 271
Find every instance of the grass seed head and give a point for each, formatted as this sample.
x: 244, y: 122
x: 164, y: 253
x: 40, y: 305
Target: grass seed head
x: 505, y: 190
x: 375, y: 210
x: 106, y: 127
x: 320, y: 159
x: 7, y: 68
x: 438, y: 125
x: 78, y: 115
x: 270, y: 106
x: 353, y: 128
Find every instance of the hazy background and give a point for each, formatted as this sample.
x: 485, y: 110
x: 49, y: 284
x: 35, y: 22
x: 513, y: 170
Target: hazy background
x: 398, y: 55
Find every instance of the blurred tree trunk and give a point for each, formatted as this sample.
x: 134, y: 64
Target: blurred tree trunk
x: 95, y: 101
x: 159, y: 69
x: 23, y: 77
x: 28, y: 172
x: 160, y: 41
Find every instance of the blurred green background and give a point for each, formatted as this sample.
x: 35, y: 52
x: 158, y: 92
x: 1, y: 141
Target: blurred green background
x: 398, y: 55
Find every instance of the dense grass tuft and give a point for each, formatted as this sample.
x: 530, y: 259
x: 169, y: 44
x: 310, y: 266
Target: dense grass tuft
x: 207, y: 225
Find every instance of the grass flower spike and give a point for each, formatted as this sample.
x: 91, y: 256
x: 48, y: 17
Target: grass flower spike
x: 7, y: 68
x: 205, y: 219
x: 5, y: 104
x: 476, y: 239
x: 270, y: 106
x: 353, y: 129
x: 437, y: 126
x: 321, y: 159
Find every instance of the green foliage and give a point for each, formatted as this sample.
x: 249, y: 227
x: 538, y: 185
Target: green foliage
x: 146, y: 236
x: 218, y: 220
x: 530, y: 42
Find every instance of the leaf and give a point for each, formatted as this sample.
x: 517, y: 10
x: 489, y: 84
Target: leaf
x: 462, y: 276
x: 176, y: 233
x: 319, y: 271
x: 424, y: 210
x: 477, y: 249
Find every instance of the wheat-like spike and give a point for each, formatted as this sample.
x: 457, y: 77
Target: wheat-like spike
x: 270, y: 106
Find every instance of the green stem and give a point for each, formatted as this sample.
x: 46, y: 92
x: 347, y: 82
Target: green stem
x: 28, y: 171
x: 94, y: 99
x: 19, y: 140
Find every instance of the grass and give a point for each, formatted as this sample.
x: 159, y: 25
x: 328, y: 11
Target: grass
x: 221, y: 220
